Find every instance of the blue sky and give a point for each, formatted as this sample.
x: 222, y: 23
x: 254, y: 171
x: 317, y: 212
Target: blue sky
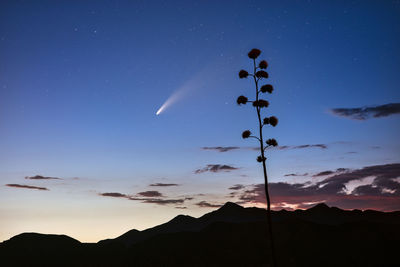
x: 80, y: 83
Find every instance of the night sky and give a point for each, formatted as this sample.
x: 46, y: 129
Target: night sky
x: 83, y: 153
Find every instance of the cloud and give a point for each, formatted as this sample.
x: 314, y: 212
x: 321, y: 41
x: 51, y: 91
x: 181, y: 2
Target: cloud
x: 365, y: 113
x: 221, y: 148
x: 216, y: 168
x: 383, y: 193
x: 164, y: 201
x: 148, y: 197
x: 182, y: 208
x: 322, y: 146
x: 150, y: 194
x: 232, y: 194
x: 162, y: 184
x: 205, y: 204
x: 256, y: 148
x: 114, y: 194
x: 324, y: 173
x: 368, y: 189
x: 236, y: 187
x: 26, y: 186
x: 342, y: 169
x: 40, y: 177
x: 296, y: 174
x: 159, y: 201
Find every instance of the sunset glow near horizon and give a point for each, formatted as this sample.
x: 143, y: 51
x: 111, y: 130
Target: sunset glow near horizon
x: 83, y: 154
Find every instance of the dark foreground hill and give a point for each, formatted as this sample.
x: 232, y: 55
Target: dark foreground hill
x: 229, y: 236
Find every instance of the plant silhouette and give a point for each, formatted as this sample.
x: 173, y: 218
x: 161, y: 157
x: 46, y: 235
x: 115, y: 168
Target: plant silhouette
x: 259, y: 74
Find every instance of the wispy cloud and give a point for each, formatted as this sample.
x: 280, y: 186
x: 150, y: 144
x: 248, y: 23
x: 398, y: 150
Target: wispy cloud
x: 205, y: 204
x: 162, y: 184
x: 221, y: 148
x: 114, y: 194
x: 296, y: 174
x: 284, y: 147
x: 324, y: 173
x: 150, y: 197
x: 216, y: 168
x: 236, y: 187
x: 364, y: 113
x: 40, y: 177
x: 150, y: 194
x: 322, y: 146
x: 159, y: 201
x: 26, y: 186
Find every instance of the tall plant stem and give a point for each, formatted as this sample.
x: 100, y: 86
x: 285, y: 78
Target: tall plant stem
x: 260, y: 125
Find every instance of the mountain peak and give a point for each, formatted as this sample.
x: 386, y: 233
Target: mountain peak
x: 320, y: 206
x: 230, y: 206
x: 182, y: 218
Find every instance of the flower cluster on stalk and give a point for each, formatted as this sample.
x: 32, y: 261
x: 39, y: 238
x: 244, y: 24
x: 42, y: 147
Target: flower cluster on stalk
x: 259, y: 74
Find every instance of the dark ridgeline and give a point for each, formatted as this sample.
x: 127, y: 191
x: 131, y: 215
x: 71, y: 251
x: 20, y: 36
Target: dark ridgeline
x: 259, y: 75
x: 229, y: 236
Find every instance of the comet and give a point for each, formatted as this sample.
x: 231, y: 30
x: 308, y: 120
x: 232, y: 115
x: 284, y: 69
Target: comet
x: 196, y: 82
x: 160, y: 110
x: 188, y: 87
x: 178, y: 94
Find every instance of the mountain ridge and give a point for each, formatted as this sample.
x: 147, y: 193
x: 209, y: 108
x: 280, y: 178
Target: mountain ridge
x: 229, y: 236
x: 232, y: 212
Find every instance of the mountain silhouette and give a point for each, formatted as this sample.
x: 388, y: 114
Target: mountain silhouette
x: 230, y: 212
x: 28, y: 240
x: 229, y: 236
x: 321, y: 207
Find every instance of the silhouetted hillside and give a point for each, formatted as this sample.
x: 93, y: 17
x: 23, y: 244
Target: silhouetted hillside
x: 230, y: 212
x: 31, y: 240
x: 229, y: 236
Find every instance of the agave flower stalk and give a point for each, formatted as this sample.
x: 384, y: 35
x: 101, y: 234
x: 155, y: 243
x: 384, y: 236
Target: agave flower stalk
x: 259, y: 74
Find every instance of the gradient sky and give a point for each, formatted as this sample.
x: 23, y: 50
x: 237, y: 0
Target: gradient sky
x: 81, y: 81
